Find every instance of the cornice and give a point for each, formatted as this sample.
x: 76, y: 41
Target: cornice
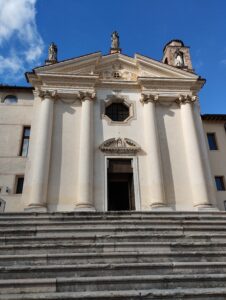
x: 161, y: 83
x: 92, y: 57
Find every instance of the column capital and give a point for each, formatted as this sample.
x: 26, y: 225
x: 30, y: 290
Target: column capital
x: 85, y: 95
x: 183, y: 99
x: 53, y: 95
x: 146, y: 97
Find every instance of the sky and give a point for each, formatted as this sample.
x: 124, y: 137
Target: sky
x: 79, y: 27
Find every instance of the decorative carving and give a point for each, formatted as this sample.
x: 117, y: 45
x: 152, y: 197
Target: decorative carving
x: 183, y: 99
x: 83, y: 95
x: 145, y: 98
x: 48, y: 94
x: 120, y: 145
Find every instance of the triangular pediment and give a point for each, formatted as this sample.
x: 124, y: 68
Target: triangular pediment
x: 80, y: 65
x: 115, y: 67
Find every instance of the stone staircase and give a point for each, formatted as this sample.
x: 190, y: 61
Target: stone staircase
x: 115, y: 255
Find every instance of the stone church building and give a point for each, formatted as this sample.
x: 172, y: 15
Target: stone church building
x: 111, y: 132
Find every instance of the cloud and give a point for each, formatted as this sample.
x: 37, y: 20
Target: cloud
x: 223, y: 61
x: 20, y: 40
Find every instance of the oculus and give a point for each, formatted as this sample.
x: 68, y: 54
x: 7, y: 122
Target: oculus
x: 118, y: 110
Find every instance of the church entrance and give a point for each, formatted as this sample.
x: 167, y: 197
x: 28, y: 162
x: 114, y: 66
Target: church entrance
x: 120, y: 185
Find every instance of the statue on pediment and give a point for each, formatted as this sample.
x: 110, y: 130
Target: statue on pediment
x: 52, y: 53
x: 115, y: 40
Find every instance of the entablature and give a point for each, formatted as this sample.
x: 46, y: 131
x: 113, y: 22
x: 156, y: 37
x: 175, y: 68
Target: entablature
x: 66, y: 94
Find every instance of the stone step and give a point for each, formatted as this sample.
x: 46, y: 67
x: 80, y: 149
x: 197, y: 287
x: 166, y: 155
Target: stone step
x: 125, y: 269
x: 112, y: 258
x: 123, y: 255
x: 150, y: 294
x: 126, y: 237
x: 98, y: 247
x: 15, y: 217
x: 113, y: 283
x: 39, y: 231
x: 33, y: 224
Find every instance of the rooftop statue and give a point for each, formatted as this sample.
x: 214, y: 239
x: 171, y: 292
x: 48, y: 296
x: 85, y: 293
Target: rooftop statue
x: 52, y: 53
x: 115, y: 40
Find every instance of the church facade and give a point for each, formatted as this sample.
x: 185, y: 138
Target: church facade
x: 111, y: 132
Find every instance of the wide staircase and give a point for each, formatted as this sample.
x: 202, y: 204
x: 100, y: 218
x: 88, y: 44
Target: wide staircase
x: 118, y: 255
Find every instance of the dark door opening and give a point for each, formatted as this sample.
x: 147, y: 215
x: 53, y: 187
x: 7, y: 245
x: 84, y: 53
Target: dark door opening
x: 120, y: 185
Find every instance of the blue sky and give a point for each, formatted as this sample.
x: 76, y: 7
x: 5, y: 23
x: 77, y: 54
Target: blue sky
x: 145, y: 26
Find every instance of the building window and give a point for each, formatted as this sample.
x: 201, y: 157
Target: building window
x: 117, y: 111
x: 10, y: 99
x: 25, y: 142
x: 212, y: 141
x: 19, y: 184
x: 219, y: 180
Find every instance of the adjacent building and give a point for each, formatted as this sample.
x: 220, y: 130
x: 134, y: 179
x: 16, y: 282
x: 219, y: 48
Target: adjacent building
x: 111, y: 132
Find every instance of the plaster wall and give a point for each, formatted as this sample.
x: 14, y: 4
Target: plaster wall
x: 217, y: 158
x: 13, y: 118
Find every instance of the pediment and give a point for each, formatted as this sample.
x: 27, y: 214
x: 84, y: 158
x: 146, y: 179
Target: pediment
x: 115, y: 67
x: 84, y: 65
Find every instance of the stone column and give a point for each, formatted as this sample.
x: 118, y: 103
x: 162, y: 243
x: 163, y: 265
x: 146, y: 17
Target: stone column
x: 85, y: 175
x: 193, y: 153
x: 154, y: 162
x: 205, y: 156
x: 41, y: 159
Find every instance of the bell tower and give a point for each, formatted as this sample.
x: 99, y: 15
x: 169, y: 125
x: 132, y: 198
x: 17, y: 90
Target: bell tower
x: 176, y: 54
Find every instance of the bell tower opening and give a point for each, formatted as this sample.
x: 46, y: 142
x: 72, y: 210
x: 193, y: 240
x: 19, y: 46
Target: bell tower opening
x: 120, y: 185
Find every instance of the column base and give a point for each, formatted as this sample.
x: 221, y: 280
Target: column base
x: 84, y: 207
x: 206, y: 207
x: 35, y: 208
x: 160, y: 207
